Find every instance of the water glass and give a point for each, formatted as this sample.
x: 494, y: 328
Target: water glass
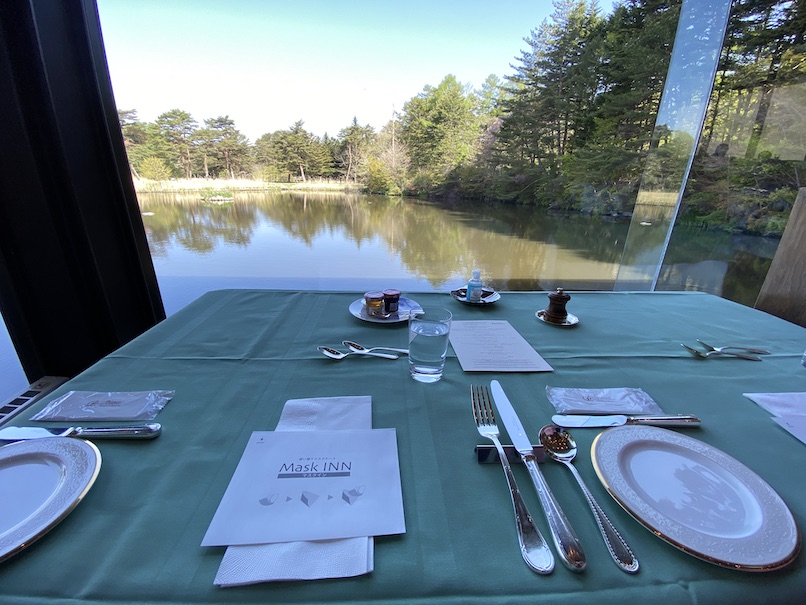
x: 428, y: 343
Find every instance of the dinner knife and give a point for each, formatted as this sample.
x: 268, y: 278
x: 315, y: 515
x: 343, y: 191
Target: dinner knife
x: 591, y: 421
x: 135, y: 431
x: 563, y: 535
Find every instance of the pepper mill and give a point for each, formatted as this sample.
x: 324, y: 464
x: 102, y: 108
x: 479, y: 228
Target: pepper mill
x: 555, y: 312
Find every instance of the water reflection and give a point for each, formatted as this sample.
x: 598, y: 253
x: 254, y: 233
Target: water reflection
x: 287, y: 235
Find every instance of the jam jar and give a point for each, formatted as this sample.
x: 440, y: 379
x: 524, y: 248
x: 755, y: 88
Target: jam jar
x: 391, y: 300
x: 374, y: 303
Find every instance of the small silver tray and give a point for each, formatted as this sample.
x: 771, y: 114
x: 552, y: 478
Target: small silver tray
x: 570, y: 320
x: 488, y: 296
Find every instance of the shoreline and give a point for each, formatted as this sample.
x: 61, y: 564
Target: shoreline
x: 200, y: 184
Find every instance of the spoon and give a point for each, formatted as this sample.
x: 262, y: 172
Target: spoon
x: 357, y: 348
x: 336, y: 354
x: 706, y: 355
x: 560, y: 446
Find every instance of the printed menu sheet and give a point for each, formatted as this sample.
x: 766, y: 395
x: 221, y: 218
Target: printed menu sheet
x: 311, y: 485
x: 494, y: 346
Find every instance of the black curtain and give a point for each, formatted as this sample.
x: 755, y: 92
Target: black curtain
x: 76, y: 277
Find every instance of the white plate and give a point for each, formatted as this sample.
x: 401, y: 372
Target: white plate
x: 404, y: 309
x: 696, y: 498
x: 41, y: 481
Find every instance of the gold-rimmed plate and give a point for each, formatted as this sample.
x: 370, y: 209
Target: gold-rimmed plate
x: 41, y: 482
x: 697, y: 498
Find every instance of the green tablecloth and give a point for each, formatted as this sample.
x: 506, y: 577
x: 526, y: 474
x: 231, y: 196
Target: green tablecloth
x: 235, y: 356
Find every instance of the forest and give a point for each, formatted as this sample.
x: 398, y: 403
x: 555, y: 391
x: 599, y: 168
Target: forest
x: 570, y: 129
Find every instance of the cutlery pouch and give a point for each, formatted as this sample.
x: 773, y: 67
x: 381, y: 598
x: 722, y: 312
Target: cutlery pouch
x: 624, y: 400
x: 111, y: 405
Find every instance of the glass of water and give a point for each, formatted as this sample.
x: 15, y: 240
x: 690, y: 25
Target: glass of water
x: 428, y: 343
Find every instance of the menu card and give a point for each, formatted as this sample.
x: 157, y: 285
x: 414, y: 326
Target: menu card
x: 494, y: 346
x: 311, y: 485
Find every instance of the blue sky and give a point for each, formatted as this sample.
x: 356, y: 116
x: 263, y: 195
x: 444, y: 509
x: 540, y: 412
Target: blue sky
x: 268, y: 63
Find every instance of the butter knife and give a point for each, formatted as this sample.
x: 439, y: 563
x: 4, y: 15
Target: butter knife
x: 563, y: 535
x: 136, y: 431
x: 591, y: 421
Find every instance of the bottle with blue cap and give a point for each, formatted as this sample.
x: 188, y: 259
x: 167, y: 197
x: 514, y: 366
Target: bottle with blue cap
x: 474, y: 287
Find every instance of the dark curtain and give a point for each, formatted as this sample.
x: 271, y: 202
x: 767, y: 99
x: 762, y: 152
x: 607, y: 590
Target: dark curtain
x: 76, y: 277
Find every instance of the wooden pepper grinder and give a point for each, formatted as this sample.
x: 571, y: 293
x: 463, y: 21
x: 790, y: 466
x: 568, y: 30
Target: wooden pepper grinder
x: 556, y: 312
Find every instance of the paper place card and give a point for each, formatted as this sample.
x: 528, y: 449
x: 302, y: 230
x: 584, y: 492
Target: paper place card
x: 311, y: 485
x: 494, y: 346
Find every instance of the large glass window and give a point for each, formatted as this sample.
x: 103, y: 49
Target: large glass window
x: 563, y: 161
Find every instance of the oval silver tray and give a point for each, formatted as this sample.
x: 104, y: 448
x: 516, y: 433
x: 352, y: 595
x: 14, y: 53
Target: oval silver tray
x: 488, y: 296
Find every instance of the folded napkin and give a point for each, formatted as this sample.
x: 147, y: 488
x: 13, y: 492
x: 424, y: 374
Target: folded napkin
x: 313, y: 560
x: 796, y: 425
x: 788, y: 410
x: 780, y: 404
x: 601, y: 401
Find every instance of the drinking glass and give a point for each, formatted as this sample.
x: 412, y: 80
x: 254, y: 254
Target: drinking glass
x: 428, y: 343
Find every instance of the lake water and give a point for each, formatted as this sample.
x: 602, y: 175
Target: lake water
x: 355, y: 242
x: 359, y: 242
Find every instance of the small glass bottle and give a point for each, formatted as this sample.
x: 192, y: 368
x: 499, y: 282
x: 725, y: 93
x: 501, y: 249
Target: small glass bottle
x: 474, y: 287
x: 374, y: 303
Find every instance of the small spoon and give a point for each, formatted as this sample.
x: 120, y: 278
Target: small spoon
x: 706, y: 355
x: 560, y: 446
x: 357, y: 348
x: 336, y: 354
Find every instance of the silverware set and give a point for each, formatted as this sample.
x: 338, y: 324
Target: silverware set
x: 357, y: 349
x: 559, y: 446
x: 749, y: 353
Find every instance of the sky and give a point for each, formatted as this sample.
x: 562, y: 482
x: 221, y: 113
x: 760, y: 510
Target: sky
x: 270, y: 63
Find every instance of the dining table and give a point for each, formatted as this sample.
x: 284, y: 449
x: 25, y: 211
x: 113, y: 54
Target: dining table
x: 233, y: 359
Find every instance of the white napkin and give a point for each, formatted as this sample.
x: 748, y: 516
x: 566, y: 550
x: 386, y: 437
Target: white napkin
x: 306, y: 560
x: 788, y: 410
x: 780, y: 404
x: 796, y: 425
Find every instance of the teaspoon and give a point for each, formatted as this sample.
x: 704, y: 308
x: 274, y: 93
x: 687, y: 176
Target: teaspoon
x: 336, y: 354
x: 561, y: 447
x: 357, y: 348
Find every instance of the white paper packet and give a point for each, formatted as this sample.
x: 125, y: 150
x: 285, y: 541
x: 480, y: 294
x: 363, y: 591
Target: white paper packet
x: 623, y: 400
x: 110, y: 405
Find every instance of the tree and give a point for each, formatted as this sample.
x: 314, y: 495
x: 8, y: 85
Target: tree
x: 294, y: 152
x: 228, y: 145
x: 178, y: 127
x: 155, y: 169
x: 352, y: 148
x: 550, y: 99
x: 441, y: 130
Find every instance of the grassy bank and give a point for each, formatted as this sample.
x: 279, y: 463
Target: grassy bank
x: 232, y: 185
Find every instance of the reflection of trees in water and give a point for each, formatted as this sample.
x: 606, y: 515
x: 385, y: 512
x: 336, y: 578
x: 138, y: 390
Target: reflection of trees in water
x: 194, y: 225
x: 708, y: 503
x: 516, y: 247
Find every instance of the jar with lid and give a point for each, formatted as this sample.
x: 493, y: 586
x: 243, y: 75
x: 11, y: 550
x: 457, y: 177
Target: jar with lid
x: 373, y: 301
x: 391, y: 300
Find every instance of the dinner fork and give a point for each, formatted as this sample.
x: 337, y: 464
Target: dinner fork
x: 726, y: 350
x: 534, y: 548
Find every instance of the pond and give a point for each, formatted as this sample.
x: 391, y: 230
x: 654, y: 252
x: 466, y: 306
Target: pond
x: 359, y: 242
